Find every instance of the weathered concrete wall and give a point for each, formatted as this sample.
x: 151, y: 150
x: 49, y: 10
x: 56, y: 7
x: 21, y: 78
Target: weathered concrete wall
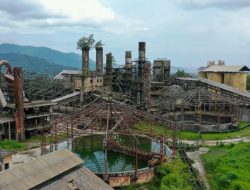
x: 6, y: 159
x: 118, y: 181
x: 246, y: 115
x: 145, y: 177
x: 90, y: 83
x: 125, y: 180
x: 217, y: 77
x: 236, y: 80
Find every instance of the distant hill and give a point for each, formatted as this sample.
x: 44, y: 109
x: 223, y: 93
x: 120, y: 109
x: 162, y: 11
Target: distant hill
x: 46, y: 60
x: 34, y: 64
x: 50, y: 55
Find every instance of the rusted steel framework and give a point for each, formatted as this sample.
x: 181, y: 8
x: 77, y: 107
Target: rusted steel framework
x: 202, y: 101
x: 35, y: 87
x: 106, y: 117
x: 42, y: 87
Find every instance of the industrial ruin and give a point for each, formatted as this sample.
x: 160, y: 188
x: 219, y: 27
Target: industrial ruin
x: 110, y: 100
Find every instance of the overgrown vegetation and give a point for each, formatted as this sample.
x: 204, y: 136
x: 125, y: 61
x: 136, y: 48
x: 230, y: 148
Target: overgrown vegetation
x: 169, y: 176
x: 12, y: 145
x: 228, y: 167
x: 158, y: 129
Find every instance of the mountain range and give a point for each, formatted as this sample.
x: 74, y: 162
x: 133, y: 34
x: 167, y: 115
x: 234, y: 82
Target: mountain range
x: 41, y: 59
x: 46, y: 60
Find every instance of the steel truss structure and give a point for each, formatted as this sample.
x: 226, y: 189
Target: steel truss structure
x: 202, y: 101
x: 108, y: 117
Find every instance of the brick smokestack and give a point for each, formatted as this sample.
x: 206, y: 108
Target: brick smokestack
x: 108, y: 74
x: 85, y: 61
x: 142, y: 51
x: 128, y: 59
x: 99, y: 60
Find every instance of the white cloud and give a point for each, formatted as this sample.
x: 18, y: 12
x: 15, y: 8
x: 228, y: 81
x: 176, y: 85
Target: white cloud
x: 226, y: 4
x: 27, y: 14
x: 79, y: 11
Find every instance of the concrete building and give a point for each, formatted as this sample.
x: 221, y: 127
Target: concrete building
x: 92, y: 83
x: 37, y: 115
x: 161, y: 70
x: 5, y: 159
x: 234, y: 76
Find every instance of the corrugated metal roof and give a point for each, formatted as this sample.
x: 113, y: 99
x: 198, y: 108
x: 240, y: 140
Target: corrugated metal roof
x: 4, y: 153
x: 34, y: 104
x: 82, y: 178
x: 68, y: 72
x: 225, y: 87
x: 227, y: 68
x: 39, y: 170
x: 245, y: 94
x: 66, y: 97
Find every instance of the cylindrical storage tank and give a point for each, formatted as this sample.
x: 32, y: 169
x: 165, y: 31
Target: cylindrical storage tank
x: 236, y: 80
x: 217, y: 77
x: 203, y: 75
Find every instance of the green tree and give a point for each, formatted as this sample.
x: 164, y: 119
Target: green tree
x: 86, y: 42
x: 181, y: 73
x: 99, y: 44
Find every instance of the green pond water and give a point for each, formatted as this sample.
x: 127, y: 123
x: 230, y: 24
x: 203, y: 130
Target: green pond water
x: 91, y: 150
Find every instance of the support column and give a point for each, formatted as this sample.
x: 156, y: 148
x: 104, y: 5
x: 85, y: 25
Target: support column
x: 18, y: 88
x: 136, y: 159
x: 9, y: 130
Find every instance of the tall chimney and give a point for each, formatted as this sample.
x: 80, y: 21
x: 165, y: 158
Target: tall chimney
x: 85, y: 61
x: 99, y: 60
x: 142, y: 51
x: 108, y: 74
x: 18, y: 89
x: 128, y: 59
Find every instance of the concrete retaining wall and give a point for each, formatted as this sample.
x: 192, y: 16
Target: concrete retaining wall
x: 120, y: 180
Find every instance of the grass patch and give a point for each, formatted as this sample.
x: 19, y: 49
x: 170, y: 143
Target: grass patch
x: 12, y: 145
x: 169, y: 176
x: 228, y: 167
x: 158, y: 129
x: 32, y: 142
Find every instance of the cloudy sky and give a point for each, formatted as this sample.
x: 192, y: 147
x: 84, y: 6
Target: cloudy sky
x: 188, y: 32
